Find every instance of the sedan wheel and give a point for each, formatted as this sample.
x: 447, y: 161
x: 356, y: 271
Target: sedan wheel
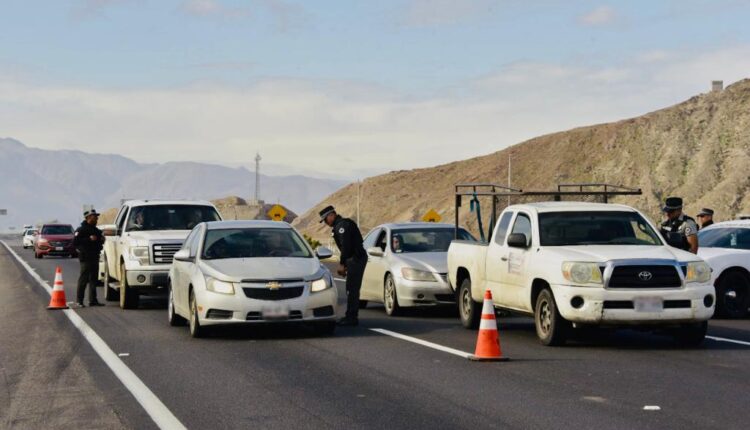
x: 195, y: 326
x: 390, y: 298
x: 174, y: 319
x: 732, y: 295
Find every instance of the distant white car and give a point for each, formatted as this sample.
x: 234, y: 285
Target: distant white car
x: 408, y: 265
x: 28, y: 237
x: 249, y: 272
x: 726, y: 247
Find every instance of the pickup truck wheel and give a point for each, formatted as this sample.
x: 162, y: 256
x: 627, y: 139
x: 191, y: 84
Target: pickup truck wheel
x: 691, y: 335
x: 128, y: 297
x: 551, y: 328
x: 196, y: 330
x: 732, y: 294
x: 469, y: 310
x: 110, y: 294
x: 174, y: 319
x: 390, y: 298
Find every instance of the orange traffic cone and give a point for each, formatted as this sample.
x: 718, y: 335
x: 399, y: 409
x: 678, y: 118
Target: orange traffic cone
x: 488, y: 340
x: 58, y: 292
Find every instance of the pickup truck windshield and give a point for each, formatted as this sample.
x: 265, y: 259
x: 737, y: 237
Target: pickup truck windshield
x: 253, y: 243
x: 595, y: 228
x: 425, y: 239
x: 169, y: 217
x: 732, y: 238
x: 53, y: 230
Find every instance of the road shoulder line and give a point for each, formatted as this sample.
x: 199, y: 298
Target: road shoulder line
x: 154, y: 407
x: 422, y: 342
x: 723, y: 339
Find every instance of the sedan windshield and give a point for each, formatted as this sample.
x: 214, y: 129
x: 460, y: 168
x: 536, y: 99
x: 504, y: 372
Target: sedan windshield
x: 53, y: 230
x: 254, y: 243
x: 169, y: 217
x: 425, y: 239
x: 595, y: 228
x: 733, y: 238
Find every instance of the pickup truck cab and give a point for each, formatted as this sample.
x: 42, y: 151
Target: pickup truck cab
x: 138, y: 252
x: 572, y: 264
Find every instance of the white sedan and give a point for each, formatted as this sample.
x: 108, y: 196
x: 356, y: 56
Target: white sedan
x: 250, y: 272
x: 29, y: 235
x: 726, y: 248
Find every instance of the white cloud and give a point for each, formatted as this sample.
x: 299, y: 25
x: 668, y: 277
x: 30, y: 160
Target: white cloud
x: 213, y: 8
x: 429, y: 13
x: 283, y: 15
x: 600, y: 16
x: 347, y: 128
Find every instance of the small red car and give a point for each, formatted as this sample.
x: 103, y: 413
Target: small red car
x: 55, y: 239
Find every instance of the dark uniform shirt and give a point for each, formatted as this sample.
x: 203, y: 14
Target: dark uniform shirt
x: 683, y: 225
x: 349, y: 240
x: 88, y: 250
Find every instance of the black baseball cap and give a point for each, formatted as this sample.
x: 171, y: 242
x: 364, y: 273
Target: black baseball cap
x: 672, y: 204
x: 324, y: 213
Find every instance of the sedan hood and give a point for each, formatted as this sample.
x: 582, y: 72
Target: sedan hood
x: 431, y: 261
x: 266, y: 269
x: 604, y: 253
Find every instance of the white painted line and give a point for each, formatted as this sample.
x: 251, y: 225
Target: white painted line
x: 158, y: 412
x: 723, y: 339
x: 124, y: 354
x: 339, y: 279
x: 422, y: 342
x: 651, y: 408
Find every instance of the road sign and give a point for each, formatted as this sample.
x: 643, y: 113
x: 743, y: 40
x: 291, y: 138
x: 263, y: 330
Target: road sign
x: 276, y: 213
x: 432, y: 216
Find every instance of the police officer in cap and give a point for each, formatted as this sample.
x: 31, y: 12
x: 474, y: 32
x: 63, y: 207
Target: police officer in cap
x: 89, y: 242
x: 679, y: 229
x: 353, y: 260
x: 706, y: 217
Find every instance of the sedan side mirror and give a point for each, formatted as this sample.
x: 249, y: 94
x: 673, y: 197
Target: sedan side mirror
x: 183, y: 255
x: 518, y: 240
x: 323, y: 253
x: 375, y: 251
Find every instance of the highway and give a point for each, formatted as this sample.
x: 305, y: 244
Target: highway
x: 286, y: 377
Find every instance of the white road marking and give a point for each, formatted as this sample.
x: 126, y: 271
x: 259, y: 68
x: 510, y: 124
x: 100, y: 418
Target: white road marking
x: 723, y: 339
x: 158, y: 412
x: 124, y: 354
x: 422, y: 342
x: 651, y: 408
x: 339, y: 279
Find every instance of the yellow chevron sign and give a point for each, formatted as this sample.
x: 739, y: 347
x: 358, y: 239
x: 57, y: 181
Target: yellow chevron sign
x: 432, y: 216
x: 276, y: 213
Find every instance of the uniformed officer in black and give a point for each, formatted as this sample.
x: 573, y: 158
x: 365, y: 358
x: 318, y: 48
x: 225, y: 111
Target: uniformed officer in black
x: 679, y: 225
x: 353, y: 260
x: 89, y: 242
x: 705, y: 217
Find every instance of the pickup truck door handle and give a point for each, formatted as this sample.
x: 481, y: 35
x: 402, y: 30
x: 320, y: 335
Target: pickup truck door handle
x: 504, y: 258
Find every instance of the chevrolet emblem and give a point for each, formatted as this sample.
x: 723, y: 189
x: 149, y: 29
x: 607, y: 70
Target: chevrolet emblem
x: 273, y: 286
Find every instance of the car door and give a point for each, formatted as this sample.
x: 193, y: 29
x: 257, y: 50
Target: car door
x: 518, y: 264
x: 496, y: 263
x: 113, y: 243
x: 184, y: 270
x: 375, y: 269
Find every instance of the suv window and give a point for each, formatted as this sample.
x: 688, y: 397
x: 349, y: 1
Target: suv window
x: 523, y: 226
x: 502, y: 228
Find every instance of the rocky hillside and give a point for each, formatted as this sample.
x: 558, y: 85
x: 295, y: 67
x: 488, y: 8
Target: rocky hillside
x: 698, y: 149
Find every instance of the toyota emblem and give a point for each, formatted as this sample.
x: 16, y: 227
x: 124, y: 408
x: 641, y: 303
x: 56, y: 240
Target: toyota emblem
x: 645, y: 276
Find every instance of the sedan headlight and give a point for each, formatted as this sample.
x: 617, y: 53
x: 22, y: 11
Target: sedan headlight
x: 582, y: 273
x: 321, y: 284
x: 698, y: 271
x: 218, y: 286
x: 139, y: 254
x: 411, y: 274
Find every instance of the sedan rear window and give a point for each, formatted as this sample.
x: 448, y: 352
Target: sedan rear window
x: 254, y: 243
x: 53, y: 230
x: 425, y: 239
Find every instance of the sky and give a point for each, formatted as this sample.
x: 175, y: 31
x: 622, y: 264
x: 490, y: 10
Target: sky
x: 348, y: 88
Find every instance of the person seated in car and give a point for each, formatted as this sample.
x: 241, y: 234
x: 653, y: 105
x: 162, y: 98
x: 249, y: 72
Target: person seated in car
x: 396, y: 243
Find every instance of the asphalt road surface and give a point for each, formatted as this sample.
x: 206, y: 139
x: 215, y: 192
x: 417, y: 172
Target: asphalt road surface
x: 286, y: 377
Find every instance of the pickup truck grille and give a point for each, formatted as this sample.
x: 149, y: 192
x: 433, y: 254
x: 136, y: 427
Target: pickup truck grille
x: 645, y: 277
x: 163, y: 253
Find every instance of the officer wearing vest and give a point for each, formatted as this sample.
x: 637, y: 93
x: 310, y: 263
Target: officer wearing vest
x: 352, y: 262
x: 89, y: 241
x: 679, y: 230
x: 705, y: 217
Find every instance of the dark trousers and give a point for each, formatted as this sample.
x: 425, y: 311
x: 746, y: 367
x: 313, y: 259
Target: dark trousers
x: 354, y: 271
x: 89, y: 276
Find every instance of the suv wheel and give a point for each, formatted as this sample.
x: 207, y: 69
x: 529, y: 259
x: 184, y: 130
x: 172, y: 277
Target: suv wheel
x: 128, y: 296
x: 551, y: 328
x: 469, y: 310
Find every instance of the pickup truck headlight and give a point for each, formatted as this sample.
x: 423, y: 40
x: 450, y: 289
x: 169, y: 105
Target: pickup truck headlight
x: 411, y: 274
x: 582, y: 273
x: 139, y: 254
x: 320, y: 284
x: 698, y: 271
x: 218, y: 286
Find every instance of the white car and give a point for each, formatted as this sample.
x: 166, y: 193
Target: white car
x: 573, y: 264
x: 250, y: 272
x: 408, y: 265
x: 29, y: 235
x: 726, y: 247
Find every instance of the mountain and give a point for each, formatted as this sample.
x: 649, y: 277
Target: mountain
x: 38, y: 185
x: 698, y: 149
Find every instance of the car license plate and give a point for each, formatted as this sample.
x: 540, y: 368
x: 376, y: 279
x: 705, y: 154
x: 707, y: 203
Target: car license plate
x: 58, y: 248
x: 648, y: 304
x: 278, y: 312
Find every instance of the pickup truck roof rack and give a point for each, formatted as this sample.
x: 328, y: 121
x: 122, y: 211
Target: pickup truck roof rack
x: 496, y: 191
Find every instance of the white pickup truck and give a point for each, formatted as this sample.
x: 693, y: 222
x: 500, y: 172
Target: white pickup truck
x: 573, y: 264
x: 139, y: 247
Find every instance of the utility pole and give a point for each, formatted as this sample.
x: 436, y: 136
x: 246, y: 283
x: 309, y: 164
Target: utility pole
x: 359, y: 197
x: 509, y: 167
x: 257, y: 178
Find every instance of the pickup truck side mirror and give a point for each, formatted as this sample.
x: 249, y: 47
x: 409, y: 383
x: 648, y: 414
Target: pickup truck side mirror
x: 109, y: 231
x: 518, y: 240
x: 375, y: 251
x: 323, y: 253
x: 183, y: 255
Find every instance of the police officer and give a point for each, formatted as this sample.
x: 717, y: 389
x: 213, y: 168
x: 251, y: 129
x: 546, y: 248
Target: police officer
x: 705, y: 217
x: 679, y: 229
x: 353, y: 260
x: 89, y: 242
